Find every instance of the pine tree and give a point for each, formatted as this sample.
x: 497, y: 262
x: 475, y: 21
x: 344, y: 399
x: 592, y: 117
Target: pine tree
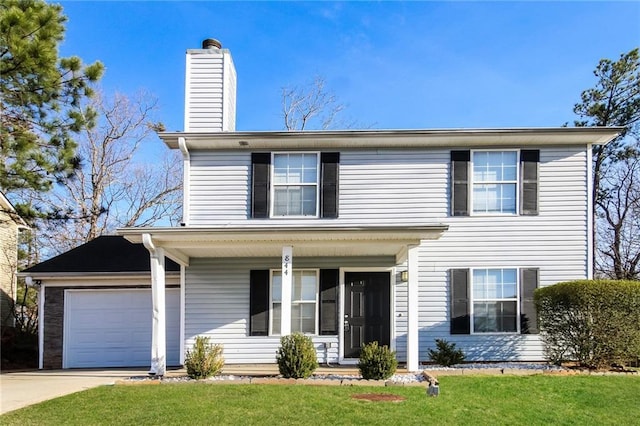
x: 41, y: 97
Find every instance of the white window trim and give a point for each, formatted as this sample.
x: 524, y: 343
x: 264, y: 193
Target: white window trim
x: 472, y: 181
x: 272, y: 272
x: 272, y: 185
x: 473, y: 300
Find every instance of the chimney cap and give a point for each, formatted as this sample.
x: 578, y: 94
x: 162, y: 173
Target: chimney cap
x: 211, y: 43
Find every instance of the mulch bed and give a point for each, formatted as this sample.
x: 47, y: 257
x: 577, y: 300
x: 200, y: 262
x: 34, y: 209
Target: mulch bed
x: 378, y: 397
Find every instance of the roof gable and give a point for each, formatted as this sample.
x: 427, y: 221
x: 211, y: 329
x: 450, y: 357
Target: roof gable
x: 105, y: 254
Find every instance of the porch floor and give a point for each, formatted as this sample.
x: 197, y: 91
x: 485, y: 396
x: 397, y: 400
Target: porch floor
x: 262, y: 370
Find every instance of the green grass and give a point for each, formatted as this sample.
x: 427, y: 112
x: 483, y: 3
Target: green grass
x: 479, y: 400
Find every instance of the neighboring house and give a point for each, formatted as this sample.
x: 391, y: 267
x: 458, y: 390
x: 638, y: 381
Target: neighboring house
x: 10, y: 224
x: 399, y: 236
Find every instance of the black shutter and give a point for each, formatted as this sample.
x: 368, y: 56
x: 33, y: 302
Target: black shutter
x: 529, y: 279
x: 260, y: 184
x: 329, y: 184
x: 460, y: 182
x: 529, y: 161
x: 259, y: 303
x: 329, y: 284
x: 460, y: 318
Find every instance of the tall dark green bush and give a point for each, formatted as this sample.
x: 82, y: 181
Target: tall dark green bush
x: 377, y: 362
x: 204, y: 359
x: 594, y: 322
x: 446, y: 353
x: 296, y: 356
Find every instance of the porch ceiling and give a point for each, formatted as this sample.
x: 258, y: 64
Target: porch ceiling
x: 181, y: 244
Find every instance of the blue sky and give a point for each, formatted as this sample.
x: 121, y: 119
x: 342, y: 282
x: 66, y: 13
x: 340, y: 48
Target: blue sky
x: 395, y: 64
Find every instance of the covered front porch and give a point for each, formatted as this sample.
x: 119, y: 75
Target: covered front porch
x: 245, y: 287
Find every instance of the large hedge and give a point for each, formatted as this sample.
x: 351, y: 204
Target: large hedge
x: 594, y: 322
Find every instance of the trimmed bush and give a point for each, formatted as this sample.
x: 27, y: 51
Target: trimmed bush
x: 377, y: 362
x: 594, y: 322
x: 446, y: 354
x: 296, y: 356
x: 204, y: 359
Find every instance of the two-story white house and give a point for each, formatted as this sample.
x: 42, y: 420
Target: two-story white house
x: 397, y: 236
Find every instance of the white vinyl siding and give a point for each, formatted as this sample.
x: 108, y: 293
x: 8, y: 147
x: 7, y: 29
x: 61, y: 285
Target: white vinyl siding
x: 217, y: 305
x: 554, y: 241
x: 209, y: 91
x: 395, y: 186
x: 376, y: 187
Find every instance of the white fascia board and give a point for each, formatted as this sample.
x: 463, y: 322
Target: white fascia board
x: 355, y: 139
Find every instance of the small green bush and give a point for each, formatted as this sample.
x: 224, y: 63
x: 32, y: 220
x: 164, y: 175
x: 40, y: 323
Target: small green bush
x: 296, y: 356
x: 594, y: 322
x: 204, y: 359
x: 377, y: 362
x: 446, y: 354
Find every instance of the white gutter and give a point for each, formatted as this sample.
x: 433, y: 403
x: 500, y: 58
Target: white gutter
x: 186, y: 169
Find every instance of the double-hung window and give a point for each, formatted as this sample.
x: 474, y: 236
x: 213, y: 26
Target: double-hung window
x: 295, y: 184
x: 495, y: 181
x: 495, y: 300
x: 304, y: 301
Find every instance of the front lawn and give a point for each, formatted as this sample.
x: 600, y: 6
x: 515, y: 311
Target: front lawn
x: 481, y: 400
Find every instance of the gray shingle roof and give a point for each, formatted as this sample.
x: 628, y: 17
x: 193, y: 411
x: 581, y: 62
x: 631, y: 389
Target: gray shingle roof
x: 107, y: 253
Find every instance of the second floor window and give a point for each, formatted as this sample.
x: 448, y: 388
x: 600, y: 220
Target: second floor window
x: 495, y: 180
x: 295, y: 184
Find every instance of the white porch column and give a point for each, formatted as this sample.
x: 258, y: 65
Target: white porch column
x: 413, y: 347
x: 158, y: 329
x: 287, y: 284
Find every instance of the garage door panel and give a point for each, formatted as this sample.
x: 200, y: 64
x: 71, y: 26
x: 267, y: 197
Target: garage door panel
x: 112, y: 328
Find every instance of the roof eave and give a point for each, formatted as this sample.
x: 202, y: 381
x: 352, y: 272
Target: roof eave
x: 393, y: 138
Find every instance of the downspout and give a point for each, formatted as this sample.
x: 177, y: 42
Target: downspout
x: 158, y: 330
x: 186, y: 169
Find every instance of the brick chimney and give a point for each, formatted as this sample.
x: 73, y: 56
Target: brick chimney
x: 210, y: 89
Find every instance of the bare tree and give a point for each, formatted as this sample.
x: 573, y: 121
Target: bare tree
x: 312, y: 107
x: 613, y: 101
x: 113, y: 188
x: 619, y: 219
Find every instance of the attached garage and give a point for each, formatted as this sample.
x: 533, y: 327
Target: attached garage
x: 112, y: 328
x: 96, y: 307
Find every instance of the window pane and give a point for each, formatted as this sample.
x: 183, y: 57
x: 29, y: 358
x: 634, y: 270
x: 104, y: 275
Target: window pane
x: 303, y: 318
x: 276, y: 287
x: 295, y: 168
x: 495, y: 166
x: 494, y: 198
x: 275, y: 318
x: 294, y: 201
x: 310, y: 168
x: 495, y: 315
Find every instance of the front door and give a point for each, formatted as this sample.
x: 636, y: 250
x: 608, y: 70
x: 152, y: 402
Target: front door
x: 367, y: 310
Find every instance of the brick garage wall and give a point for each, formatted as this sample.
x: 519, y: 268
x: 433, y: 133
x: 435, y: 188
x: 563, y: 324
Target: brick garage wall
x: 53, y: 327
x: 54, y: 322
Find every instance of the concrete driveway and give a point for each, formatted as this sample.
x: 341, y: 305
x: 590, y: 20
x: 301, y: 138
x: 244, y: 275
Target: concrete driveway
x: 21, y: 389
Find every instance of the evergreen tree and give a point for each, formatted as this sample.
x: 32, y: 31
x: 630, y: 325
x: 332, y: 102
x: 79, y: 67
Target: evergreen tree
x: 41, y: 96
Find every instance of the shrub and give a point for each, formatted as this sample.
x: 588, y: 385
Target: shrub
x: 204, y: 359
x: 446, y: 354
x: 594, y: 322
x: 377, y: 362
x: 296, y: 356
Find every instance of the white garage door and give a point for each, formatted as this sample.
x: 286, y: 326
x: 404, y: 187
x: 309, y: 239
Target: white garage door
x: 112, y: 328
